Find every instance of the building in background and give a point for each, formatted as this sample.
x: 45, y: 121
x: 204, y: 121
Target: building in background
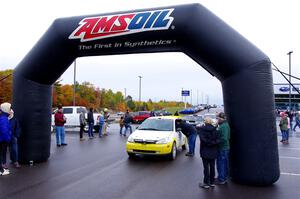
x: 281, y: 92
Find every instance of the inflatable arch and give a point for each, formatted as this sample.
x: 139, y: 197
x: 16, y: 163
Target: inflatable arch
x: 244, y: 71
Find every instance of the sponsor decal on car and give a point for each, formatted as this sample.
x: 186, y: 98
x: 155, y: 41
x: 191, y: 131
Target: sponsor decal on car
x: 100, y: 27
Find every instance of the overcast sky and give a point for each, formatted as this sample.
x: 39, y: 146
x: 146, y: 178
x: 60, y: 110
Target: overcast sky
x: 273, y: 26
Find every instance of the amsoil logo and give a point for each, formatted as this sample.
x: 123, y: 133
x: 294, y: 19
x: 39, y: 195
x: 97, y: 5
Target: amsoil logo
x: 93, y: 28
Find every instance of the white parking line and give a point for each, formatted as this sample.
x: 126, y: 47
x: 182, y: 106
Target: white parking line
x: 290, y: 174
x: 289, y: 148
x: 289, y: 157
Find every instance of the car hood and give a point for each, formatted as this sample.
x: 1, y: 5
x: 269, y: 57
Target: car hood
x: 150, y: 135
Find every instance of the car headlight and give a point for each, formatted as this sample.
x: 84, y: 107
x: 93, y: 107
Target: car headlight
x: 164, y: 140
x: 130, y: 139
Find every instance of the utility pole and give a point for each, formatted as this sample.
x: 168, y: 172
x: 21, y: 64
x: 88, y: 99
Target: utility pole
x: 140, y: 88
x: 197, y: 97
x: 290, y: 104
x: 124, y: 93
x: 74, y: 89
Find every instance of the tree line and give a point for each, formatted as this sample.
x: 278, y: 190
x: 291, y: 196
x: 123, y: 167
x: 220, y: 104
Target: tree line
x: 87, y: 95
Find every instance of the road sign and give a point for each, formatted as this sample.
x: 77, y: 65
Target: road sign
x: 185, y: 93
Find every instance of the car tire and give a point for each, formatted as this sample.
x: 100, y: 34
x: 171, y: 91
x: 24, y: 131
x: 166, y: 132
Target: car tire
x: 173, y: 154
x: 131, y: 155
x: 184, y: 146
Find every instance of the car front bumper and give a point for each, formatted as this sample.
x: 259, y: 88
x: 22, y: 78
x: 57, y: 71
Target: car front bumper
x: 149, y: 149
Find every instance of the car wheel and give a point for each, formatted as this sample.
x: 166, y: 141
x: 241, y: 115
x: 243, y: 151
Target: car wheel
x: 173, y: 154
x: 131, y: 155
x: 86, y: 128
x: 184, y: 146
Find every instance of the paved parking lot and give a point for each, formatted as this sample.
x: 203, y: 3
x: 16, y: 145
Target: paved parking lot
x: 99, y: 168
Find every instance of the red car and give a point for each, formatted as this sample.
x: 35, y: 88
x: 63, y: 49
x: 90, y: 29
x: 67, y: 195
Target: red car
x: 141, y: 116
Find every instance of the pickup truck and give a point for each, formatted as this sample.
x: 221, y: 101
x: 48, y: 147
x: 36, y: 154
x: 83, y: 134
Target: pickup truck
x: 72, y: 115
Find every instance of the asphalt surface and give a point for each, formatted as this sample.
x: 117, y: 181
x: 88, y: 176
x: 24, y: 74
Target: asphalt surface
x: 100, y: 168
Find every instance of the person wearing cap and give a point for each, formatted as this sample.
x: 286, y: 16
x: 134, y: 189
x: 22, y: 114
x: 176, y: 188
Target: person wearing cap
x: 13, y: 144
x: 5, y: 134
x: 101, y: 123
x: 209, y: 141
x: 60, y: 120
x: 283, y: 125
x: 223, y: 149
x: 106, y: 116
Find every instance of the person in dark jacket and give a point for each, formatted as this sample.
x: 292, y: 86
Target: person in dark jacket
x: 90, y: 121
x: 208, y: 151
x: 127, y: 120
x: 190, y: 132
x: 5, y: 134
x: 60, y: 120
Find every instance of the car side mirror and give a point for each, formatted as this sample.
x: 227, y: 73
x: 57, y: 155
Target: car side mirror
x: 178, y: 129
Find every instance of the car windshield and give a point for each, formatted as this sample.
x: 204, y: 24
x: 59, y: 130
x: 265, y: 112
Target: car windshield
x: 157, y: 125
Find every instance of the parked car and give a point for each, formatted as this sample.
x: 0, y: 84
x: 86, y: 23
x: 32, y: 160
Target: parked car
x: 194, y: 119
x: 156, y: 136
x: 140, y: 116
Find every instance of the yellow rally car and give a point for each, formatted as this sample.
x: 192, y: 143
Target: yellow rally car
x: 157, y: 136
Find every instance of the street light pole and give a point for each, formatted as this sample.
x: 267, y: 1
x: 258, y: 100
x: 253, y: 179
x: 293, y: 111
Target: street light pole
x: 125, y: 93
x: 74, y: 91
x: 140, y: 88
x: 289, y: 54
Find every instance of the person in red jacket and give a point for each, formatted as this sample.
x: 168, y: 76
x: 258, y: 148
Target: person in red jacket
x: 60, y: 120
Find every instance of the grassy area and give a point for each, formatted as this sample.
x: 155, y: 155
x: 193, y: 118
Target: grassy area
x: 173, y: 109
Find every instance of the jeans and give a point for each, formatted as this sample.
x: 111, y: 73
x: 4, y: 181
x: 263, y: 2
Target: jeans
x: 121, y: 128
x: 192, y: 142
x: 91, y: 128
x: 209, y: 171
x: 126, y: 127
x: 13, y: 149
x: 60, y: 135
x: 297, y: 124
x: 285, y: 135
x: 222, y: 165
x: 3, y: 146
x: 100, y: 130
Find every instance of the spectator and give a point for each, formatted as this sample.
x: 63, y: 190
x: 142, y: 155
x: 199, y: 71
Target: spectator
x: 283, y: 124
x: 82, y: 124
x: 223, y: 149
x: 60, y: 120
x: 90, y: 121
x: 190, y: 132
x: 101, y: 124
x: 297, y: 120
x: 106, y: 116
x: 13, y: 145
x: 208, y: 152
x: 121, y: 123
x: 127, y: 120
x: 176, y: 113
x: 5, y: 134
